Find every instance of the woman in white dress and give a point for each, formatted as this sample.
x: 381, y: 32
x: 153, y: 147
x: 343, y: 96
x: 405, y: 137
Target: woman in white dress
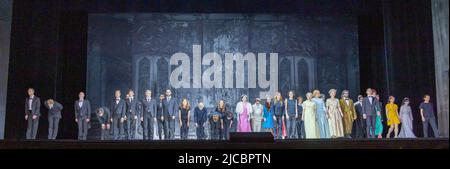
x: 309, y: 117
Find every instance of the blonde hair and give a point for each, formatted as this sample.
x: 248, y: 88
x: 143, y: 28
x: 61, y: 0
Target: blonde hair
x: 50, y: 101
x: 316, y: 93
x: 331, y: 91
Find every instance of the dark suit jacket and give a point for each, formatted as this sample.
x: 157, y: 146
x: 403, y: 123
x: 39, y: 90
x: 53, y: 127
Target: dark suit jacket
x: 83, y: 112
x: 118, y: 110
x: 149, y: 108
x: 55, y: 111
x: 35, y: 106
x: 132, y: 108
x: 106, y: 116
x: 171, y: 108
x: 160, y: 108
x: 370, y: 109
x: 200, y: 116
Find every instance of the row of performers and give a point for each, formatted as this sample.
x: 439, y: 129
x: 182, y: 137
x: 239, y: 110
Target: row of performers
x: 285, y: 118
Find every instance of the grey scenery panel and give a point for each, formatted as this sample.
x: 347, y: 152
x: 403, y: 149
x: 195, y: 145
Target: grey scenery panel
x: 135, y: 51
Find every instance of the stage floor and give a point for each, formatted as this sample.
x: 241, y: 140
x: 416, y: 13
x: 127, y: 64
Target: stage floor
x: 420, y: 143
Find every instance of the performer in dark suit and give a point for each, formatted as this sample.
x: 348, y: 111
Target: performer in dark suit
x: 82, y: 115
x: 103, y: 116
x: 148, y: 117
x: 370, y: 112
x: 160, y: 110
x: 171, y: 109
x: 32, y: 113
x: 132, y: 114
x: 54, y: 115
x: 200, y: 115
x: 118, y: 109
x: 360, y: 122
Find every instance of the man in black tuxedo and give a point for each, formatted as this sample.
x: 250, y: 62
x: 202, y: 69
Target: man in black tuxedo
x: 118, y: 109
x: 132, y: 114
x: 54, y: 115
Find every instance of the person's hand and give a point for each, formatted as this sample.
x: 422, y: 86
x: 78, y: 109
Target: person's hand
x: 196, y: 125
x: 154, y: 119
x: 34, y: 117
x: 122, y: 119
x: 103, y: 126
x: 296, y: 116
x: 162, y: 118
x: 423, y: 118
x: 187, y: 124
x: 108, y: 126
x: 342, y: 115
x: 87, y: 120
x: 302, y: 119
x: 364, y: 116
x: 173, y: 117
x: 142, y: 118
x: 111, y: 119
x: 135, y: 117
x: 274, y: 118
x: 76, y: 120
x: 181, y: 124
x: 263, y: 119
x: 378, y: 113
x: 26, y: 117
x: 287, y: 117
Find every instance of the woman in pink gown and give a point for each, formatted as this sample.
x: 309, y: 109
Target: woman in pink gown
x: 243, y: 110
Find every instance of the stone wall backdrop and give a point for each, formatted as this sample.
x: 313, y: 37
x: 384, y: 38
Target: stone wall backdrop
x: 5, y: 35
x: 132, y: 51
x: 440, y: 31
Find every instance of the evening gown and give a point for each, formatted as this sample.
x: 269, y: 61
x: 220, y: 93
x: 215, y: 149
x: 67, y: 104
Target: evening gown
x: 309, y: 119
x: 268, y: 116
x: 243, y: 123
x: 322, y: 121
x: 335, y: 118
x: 406, y: 130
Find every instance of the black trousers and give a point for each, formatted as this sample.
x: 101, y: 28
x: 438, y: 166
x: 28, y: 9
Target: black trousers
x: 82, y: 128
x: 359, y: 128
x: 147, y: 127
x: 184, y: 129
x: 200, y: 131
x: 53, y: 124
x: 226, y: 130
x: 161, y: 128
x: 32, y: 127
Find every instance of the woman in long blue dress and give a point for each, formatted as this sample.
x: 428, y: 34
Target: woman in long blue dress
x: 406, y: 118
x: 268, y: 116
x: 322, y: 117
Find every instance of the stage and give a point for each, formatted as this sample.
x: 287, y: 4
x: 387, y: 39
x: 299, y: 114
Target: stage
x: 420, y: 143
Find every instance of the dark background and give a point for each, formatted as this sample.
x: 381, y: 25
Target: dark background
x: 49, y: 46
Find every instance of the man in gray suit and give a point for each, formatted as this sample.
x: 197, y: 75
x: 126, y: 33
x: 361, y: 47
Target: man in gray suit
x: 132, y: 114
x: 54, y: 115
x: 32, y: 113
x: 118, y: 109
x: 148, y: 117
x: 370, y: 112
x: 171, y: 109
x: 82, y: 115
